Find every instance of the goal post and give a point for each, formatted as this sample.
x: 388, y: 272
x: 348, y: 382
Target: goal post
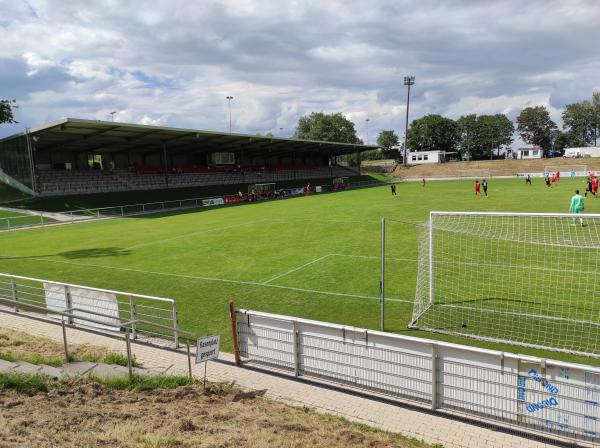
x: 474, y: 174
x: 567, y: 170
x: 519, y: 278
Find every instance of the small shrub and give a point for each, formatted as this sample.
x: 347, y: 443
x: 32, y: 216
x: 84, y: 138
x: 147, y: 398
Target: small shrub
x: 143, y: 382
x: 25, y: 384
x: 33, y: 359
x: 119, y: 359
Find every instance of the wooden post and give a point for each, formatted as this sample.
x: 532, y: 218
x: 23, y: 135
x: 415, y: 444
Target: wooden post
x: 205, y: 362
x: 128, y: 344
x: 64, y: 332
x: 236, y: 348
x: 187, y: 346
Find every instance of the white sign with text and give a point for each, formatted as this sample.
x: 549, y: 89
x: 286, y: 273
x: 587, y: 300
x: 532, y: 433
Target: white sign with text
x: 208, y: 348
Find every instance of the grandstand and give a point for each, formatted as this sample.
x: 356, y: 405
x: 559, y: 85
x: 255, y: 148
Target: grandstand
x: 76, y: 156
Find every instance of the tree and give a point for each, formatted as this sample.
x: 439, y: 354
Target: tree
x: 373, y: 154
x: 595, y: 106
x: 493, y: 132
x: 6, y: 111
x: 388, y: 142
x: 327, y: 128
x: 467, y: 129
x: 433, y: 133
x: 583, y: 120
x: 536, y: 127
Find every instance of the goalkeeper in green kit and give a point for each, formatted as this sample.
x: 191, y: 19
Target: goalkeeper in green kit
x: 577, y: 206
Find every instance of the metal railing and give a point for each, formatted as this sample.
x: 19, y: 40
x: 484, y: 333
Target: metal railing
x: 151, y: 318
x: 42, y: 219
x: 549, y: 397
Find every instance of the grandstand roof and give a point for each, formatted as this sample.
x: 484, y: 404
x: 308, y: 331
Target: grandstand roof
x: 78, y: 135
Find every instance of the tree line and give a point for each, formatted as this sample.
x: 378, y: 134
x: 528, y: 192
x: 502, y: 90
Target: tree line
x: 471, y: 136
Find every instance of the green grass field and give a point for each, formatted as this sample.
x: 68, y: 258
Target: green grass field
x: 314, y: 257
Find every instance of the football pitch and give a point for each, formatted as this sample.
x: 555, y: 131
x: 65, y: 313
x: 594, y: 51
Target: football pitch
x: 316, y: 257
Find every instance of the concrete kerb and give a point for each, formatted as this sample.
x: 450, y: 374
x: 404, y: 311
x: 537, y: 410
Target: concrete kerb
x: 433, y: 427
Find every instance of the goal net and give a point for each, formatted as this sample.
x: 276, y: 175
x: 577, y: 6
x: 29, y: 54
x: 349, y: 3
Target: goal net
x: 341, y: 183
x: 474, y: 174
x: 526, y: 279
x: 266, y: 190
x: 567, y: 170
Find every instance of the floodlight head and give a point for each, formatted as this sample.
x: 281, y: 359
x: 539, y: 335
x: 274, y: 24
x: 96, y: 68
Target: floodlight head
x: 229, y: 97
x: 409, y: 80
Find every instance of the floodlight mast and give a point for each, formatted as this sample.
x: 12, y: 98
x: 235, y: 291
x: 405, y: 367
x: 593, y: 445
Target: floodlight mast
x: 229, y: 98
x: 408, y: 81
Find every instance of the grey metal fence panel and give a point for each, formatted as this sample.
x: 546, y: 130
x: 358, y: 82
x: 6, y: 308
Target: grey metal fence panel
x: 94, y: 307
x: 551, y: 397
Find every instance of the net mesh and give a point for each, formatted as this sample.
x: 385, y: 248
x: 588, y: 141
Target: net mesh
x: 531, y: 280
x: 474, y: 174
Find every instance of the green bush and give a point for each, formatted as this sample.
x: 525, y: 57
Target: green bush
x: 25, y: 384
x: 119, y: 359
x: 145, y: 382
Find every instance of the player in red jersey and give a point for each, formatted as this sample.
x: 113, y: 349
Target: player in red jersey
x: 477, y: 187
x: 308, y: 190
x: 595, y: 186
x: 558, y: 175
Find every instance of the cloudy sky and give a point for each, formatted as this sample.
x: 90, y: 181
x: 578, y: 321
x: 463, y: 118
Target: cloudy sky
x: 173, y: 62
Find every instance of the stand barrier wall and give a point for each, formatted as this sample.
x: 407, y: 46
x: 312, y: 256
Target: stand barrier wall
x: 557, y: 399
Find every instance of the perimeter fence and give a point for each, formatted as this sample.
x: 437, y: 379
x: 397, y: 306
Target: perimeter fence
x: 552, y: 398
x: 41, y: 219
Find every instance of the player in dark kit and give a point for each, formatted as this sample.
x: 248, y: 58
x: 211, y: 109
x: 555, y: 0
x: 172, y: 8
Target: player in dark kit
x: 484, y: 186
x: 528, y: 180
x: 393, y: 188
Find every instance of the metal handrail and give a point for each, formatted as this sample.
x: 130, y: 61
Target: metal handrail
x: 109, y: 291
x: 68, y: 313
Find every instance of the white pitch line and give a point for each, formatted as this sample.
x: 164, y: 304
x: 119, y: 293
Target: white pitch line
x: 295, y: 269
x: 373, y: 258
x: 520, y: 314
x: 222, y: 280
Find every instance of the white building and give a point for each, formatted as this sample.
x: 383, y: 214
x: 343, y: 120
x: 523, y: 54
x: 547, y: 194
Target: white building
x: 530, y: 153
x: 588, y: 151
x: 423, y: 157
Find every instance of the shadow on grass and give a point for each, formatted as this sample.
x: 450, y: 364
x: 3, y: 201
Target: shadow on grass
x: 95, y: 252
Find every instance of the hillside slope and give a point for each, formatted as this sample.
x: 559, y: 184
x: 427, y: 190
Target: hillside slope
x: 496, y: 167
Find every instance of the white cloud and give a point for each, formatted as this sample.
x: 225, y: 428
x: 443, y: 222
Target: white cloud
x: 173, y: 62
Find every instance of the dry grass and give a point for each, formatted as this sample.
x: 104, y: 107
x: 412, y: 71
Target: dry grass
x: 18, y: 345
x: 86, y: 413
x: 496, y: 167
x: 89, y: 414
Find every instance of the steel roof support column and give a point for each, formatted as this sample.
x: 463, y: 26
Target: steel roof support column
x: 30, y: 150
x: 165, y: 164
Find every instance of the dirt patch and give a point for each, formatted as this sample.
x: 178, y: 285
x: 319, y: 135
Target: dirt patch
x: 90, y: 414
x: 23, y: 346
x: 82, y: 413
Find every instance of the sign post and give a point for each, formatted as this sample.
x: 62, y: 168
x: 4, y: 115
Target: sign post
x: 207, y: 348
